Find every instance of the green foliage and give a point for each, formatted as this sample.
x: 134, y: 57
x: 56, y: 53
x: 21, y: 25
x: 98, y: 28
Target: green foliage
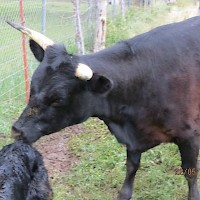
x: 135, y: 22
x: 115, y: 31
x: 184, y: 3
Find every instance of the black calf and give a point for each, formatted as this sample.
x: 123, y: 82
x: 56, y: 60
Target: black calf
x: 22, y: 174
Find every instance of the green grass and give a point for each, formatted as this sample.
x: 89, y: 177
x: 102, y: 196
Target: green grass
x: 101, y: 170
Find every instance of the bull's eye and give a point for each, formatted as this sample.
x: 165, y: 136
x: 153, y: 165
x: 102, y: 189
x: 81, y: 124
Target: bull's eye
x: 57, y: 102
x: 54, y: 100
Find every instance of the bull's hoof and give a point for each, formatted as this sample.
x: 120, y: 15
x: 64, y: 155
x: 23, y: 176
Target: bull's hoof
x: 194, y: 194
x: 123, y: 197
x: 194, y: 198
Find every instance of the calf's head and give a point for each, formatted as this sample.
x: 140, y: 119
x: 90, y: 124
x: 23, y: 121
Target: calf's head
x: 62, y: 91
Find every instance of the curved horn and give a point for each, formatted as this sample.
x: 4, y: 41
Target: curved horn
x: 83, y: 72
x: 39, y: 38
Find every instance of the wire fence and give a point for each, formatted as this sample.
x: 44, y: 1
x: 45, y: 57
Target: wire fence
x: 56, y: 19
x: 58, y: 25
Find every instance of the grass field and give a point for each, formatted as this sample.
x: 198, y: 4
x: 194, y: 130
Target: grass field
x: 101, y: 170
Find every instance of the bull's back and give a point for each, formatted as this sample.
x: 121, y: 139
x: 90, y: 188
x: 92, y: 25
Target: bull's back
x: 168, y: 58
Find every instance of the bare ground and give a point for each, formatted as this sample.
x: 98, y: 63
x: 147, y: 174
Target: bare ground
x: 55, y: 151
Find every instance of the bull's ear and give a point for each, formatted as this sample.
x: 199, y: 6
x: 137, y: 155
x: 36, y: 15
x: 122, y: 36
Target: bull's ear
x: 37, y: 50
x: 100, y: 84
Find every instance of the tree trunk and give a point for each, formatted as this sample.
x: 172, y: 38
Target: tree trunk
x: 142, y: 3
x: 79, y: 32
x: 170, y: 1
x: 128, y: 3
x: 123, y: 8
x: 136, y: 3
x: 100, y: 29
x: 113, y: 9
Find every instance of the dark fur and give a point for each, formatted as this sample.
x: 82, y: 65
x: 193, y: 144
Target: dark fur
x: 146, y: 90
x: 22, y: 174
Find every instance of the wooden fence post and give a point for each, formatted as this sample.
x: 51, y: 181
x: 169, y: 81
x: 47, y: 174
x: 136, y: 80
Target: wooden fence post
x: 100, y: 30
x: 79, y: 33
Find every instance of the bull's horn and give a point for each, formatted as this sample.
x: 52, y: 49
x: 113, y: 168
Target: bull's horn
x: 39, y: 38
x: 83, y: 72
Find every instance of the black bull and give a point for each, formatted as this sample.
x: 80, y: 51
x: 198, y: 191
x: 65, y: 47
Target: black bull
x: 146, y: 90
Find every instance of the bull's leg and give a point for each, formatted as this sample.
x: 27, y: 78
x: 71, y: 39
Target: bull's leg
x: 132, y: 165
x: 189, y: 151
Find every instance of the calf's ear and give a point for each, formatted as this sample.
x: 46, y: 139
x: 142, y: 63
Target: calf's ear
x: 37, y: 50
x: 100, y: 84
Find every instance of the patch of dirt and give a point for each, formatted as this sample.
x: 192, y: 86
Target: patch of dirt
x: 55, y: 151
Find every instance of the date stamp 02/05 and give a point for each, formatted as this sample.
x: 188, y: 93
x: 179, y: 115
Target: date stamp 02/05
x: 187, y: 171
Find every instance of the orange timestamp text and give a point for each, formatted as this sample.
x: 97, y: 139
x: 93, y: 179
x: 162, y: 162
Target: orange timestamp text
x: 187, y: 171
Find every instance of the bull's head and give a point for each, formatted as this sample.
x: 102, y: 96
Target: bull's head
x: 62, y: 90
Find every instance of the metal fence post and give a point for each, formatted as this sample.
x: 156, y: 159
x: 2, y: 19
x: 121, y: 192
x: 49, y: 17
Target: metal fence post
x: 26, y: 77
x: 44, y: 4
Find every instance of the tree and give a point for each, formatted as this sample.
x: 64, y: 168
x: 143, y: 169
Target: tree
x: 142, y: 3
x: 100, y: 27
x: 122, y: 8
x: 79, y: 32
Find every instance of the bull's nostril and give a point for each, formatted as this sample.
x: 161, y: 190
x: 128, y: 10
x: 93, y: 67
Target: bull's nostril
x: 16, y: 133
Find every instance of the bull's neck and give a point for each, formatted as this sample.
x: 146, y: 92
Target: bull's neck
x: 104, y: 108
